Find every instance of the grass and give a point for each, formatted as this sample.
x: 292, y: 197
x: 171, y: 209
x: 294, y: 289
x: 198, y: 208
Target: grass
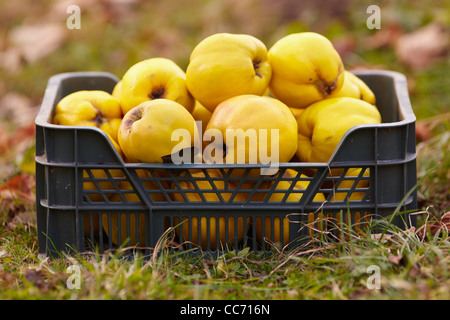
x: 331, y: 269
x: 434, y: 167
x: 411, y: 266
x: 329, y: 265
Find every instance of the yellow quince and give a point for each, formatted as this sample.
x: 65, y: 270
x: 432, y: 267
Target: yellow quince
x: 119, y: 224
x: 150, y: 79
x: 354, y: 87
x: 225, y: 65
x: 348, y: 183
x: 93, y: 108
x: 254, y: 129
x: 210, y: 188
x: 322, y: 125
x: 149, y: 131
x: 305, y: 68
x: 201, y: 114
x: 282, y: 193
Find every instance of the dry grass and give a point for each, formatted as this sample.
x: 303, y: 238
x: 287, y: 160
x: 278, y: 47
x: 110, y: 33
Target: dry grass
x: 114, y: 35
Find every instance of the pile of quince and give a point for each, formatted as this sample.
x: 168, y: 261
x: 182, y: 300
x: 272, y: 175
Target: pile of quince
x: 232, y: 82
x: 298, y: 86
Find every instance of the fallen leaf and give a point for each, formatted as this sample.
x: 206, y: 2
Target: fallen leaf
x: 22, y: 217
x: 35, y: 41
x: 18, y: 109
x: 424, y: 46
x: 4, y: 140
x: 17, y: 150
x: 11, y: 60
x: 381, y: 236
x: 23, y: 135
x: 359, y: 294
x: 345, y: 45
x: 5, y: 256
x: 396, y: 260
x: 22, y: 183
x: 36, y: 278
x: 415, y: 271
x: 401, y: 284
x: 423, y: 132
x: 7, y: 279
x: 441, y: 224
x: 15, y: 195
x: 292, y: 293
x: 385, y: 37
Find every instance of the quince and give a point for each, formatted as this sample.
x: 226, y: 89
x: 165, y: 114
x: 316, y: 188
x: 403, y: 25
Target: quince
x: 100, y: 178
x: 322, y: 125
x: 200, y: 113
x: 117, y: 90
x: 305, y: 68
x: 354, y: 87
x: 136, y: 235
x: 225, y: 65
x: 94, y: 108
x: 210, y: 188
x: 348, y: 183
x: 296, y: 112
x: 254, y: 129
x: 154, y: 78
x: 94, y: 192
x: 146, y: 132
x: 282, y: 193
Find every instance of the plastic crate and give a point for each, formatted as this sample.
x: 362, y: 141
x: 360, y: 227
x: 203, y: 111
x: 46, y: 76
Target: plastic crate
x: 88, y: 197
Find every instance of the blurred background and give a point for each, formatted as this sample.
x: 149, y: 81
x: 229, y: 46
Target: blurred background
x: 36, y: 43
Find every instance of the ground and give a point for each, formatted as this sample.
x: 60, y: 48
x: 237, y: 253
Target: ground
x: 36, y: 42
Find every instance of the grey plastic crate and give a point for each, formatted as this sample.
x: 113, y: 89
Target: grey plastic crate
x: 120, y: 205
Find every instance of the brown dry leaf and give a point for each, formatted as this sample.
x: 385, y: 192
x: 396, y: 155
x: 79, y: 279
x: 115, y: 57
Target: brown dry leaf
x: 23, y: 135
x: 437, y: 225
x: 423, y: 132
x: 378, y: 236
x: 5, y: 256
x: 33, y: 42
x: 345, y: 45
x: 20, y: 214
x: 415, y: 271
x: 4, y: 140
x: 11, y: 60
x: 17, y: 109
x: 38, y: 279
x: 22, y: 183
x: 395, y: 259
x: 15, y: 148
x: 18, y: 191
x: 118, y: 10
x: 360, y: 294
x: 424, y: 46
x: 385, y: 37
x: 7, y: 279
x: 16, y: 143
